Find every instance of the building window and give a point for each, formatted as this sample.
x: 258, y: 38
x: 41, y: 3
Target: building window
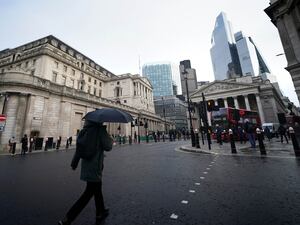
x: 100, y: 84
x: 63, y: 80
x: 100, y: 93
x: 56, y: 64
x: 95, y: 81
x: 95, y: 91
x: 118, y: 92
x: 118, y: 82
x: 82, y: 76
x: 90, y: 79
x: 73, y: 72
x: 54, y: 76
x: 33, y: 62
x: 32, y: 72
x: 125, y: 101
x: 26, y: 64
x: 72, y: 83
x: 89, y: 89
x: 65, y: 68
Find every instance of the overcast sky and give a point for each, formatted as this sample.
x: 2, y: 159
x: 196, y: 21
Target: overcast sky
x: 116, y: 33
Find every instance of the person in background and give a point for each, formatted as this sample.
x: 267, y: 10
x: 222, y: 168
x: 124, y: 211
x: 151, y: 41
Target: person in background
x: 24, y: 142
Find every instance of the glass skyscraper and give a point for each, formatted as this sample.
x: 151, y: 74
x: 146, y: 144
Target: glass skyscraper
x: 236, y: 55
x: 163, y: 77
x: 223, y: 51
x: 251, y: 60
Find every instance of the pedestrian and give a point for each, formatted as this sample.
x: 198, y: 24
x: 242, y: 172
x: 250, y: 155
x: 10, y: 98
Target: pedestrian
x: 282, y: 133
x: 31, y: 143
x: 267, y: 132
x: 241, y: 134
x: 135, y: 137
x: 58, y: 142
x: 219, y: 131
x: 250, y: 133
x: 70, y: 140
x: 24, y: 142
x: 91, y: 173
x: 13, y: 144
x: 158, y: 135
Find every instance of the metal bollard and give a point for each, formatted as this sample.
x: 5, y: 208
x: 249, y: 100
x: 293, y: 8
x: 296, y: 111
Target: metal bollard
x: 232, y: 143
x: 260, y: 142
x: 295, y: 142
x: 197, y: 139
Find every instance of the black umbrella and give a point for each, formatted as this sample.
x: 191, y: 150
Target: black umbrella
x: 108, y: 115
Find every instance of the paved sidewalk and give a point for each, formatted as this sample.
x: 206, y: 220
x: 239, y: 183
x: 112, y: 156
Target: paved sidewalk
x: 274, y: 149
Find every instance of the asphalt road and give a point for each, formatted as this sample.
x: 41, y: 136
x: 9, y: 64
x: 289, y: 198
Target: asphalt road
x: 146, y: 184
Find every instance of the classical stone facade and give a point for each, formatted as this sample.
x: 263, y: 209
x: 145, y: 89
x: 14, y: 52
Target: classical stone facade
x: 250, y: 93
x: 47, y: 87
x: 285, y: 14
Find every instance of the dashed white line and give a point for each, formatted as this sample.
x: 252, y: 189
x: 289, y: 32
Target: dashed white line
x: 174, y: 216
x: 184, y: 202
x: 202, y: 178
x: 197, y: 184
x: 208, y: 168
x: 205, y: 172
x: 192, y: 191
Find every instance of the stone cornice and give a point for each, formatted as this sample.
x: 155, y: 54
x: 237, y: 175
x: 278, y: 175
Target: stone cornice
x: 59, y: 46
x: 279, y: 8
x: 21, y: 80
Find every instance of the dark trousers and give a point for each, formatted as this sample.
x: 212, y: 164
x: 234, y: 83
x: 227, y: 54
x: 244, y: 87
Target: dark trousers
x: 281, y: 138
x: 92, y: 189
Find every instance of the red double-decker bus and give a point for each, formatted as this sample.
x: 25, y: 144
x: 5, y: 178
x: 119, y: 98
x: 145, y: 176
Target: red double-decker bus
x: 233, y: 118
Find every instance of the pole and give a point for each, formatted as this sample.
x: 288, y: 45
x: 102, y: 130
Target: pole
x: 232, y: 143
x: 260, y: 142
x: 205, y: 121
x: 200, y: 125
x: 189, y: 109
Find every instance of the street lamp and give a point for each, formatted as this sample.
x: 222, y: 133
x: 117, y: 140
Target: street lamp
x: 185, y: 73
x: 164, y: 113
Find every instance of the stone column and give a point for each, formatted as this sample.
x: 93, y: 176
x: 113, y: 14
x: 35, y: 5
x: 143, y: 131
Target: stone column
x: 225, y: 103
x: 236, y: 103
x: 247, y: 102
x: 260, y: 109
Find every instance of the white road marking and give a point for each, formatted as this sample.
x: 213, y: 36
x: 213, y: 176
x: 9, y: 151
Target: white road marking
x: 208, y: 168
x: 174, y: 216
x: 202, y: 178
x: 192, y: 191
x: 184, y: 202
x: 212, y: 162
x: 205, y: 172
x: 197, y: 184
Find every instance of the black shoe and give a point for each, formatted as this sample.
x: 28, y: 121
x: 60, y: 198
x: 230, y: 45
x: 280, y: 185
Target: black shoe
x: 102, y: 215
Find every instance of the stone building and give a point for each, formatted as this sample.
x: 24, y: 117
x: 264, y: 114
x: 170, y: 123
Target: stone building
x: 47, y: 87
x: 285, y: 15
x: 248, y: 92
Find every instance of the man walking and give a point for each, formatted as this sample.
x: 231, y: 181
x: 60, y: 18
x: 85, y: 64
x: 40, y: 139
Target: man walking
x: 250, y: 133
x: 98, y: 139
x: 12, y: 144
x: 24, y: 142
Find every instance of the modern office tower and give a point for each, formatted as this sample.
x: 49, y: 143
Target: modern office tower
x: 173, y: 109
x: 162, y: 77
x: 188, y: 77
x: 223, y: 51
x: 251, y: 60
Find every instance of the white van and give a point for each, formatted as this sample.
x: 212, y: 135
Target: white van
x: 273, y: 127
